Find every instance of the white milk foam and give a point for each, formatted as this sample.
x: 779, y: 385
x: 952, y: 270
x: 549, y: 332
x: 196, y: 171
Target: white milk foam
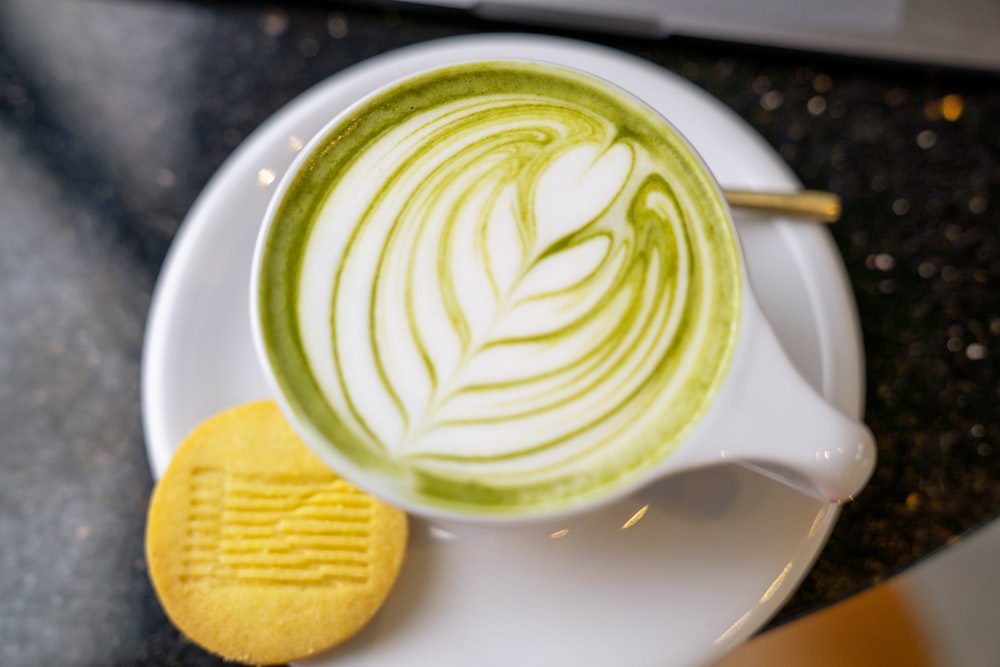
x: 475, y: 370
x: 511, y: 286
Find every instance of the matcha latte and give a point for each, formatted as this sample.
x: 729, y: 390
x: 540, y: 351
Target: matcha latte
x: 498, y: 288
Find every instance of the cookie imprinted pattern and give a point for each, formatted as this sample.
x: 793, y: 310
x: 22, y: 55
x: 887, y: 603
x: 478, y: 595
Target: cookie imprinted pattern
x: 276, y: 530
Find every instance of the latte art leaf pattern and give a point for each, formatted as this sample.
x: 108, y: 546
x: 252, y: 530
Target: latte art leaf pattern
x: 504, y: 296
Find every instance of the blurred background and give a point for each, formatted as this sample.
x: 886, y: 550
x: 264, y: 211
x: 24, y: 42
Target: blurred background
x: 114, y: 115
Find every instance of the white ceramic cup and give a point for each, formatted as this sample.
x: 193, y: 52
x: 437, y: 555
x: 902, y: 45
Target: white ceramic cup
x: 762, y: 415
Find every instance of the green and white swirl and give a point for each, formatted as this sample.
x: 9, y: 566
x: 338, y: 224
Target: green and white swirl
x: 505, y: 285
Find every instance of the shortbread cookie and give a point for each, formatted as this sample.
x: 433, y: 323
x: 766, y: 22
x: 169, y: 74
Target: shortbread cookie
x: 258, y: 552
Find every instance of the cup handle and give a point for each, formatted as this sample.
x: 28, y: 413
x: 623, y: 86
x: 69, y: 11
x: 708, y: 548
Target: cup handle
x: 769, y: 419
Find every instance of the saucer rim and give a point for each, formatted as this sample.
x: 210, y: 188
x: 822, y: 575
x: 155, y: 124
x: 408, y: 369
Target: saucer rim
x: 172, y: 274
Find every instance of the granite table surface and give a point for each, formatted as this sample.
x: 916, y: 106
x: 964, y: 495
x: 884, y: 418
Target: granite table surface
x: 114, y: 115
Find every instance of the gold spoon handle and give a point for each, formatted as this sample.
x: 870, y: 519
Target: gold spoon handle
x: 807, y: 204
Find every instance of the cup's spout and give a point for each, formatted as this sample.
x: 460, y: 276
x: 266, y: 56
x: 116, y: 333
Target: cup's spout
x: 769, y: 419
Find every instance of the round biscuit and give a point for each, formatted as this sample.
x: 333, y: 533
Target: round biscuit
x: 257, y: 551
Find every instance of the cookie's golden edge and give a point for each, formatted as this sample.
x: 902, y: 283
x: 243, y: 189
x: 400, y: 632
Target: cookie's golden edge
x: 251, y: 624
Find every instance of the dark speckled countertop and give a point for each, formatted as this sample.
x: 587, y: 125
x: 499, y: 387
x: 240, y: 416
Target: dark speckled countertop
x: 114, y: 115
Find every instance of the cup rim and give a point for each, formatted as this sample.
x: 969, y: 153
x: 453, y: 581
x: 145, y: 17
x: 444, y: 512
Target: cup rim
x: 486, y: 516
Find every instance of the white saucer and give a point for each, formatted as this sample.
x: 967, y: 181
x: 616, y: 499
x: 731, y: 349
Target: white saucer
x: 717, y: 552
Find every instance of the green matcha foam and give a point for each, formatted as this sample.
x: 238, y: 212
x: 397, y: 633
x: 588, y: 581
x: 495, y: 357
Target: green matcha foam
x: 505, y: 286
